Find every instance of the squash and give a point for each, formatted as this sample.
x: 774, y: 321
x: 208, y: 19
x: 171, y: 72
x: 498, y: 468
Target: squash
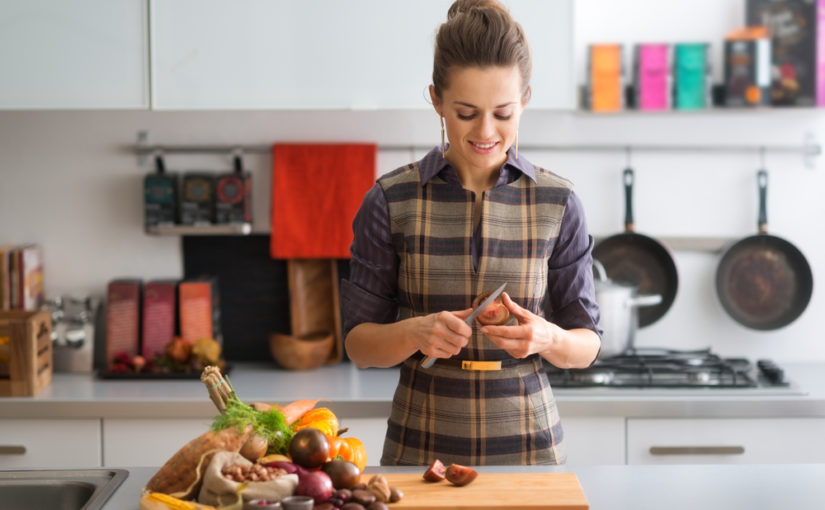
x: 322, y: 419
x: 348, y: 448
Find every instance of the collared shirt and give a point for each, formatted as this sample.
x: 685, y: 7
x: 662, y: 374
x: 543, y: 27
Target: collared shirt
x: 369, y: 295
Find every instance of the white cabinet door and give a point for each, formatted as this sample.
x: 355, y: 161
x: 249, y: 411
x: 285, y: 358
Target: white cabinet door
x: 328, y: 54
x: 594, y: 441
x: 85, y: 54
x: 725, y: 441
x: 147, y: 441
x: 53, y: 443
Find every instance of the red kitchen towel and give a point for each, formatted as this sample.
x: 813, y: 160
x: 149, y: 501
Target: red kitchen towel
x: 316, y: 192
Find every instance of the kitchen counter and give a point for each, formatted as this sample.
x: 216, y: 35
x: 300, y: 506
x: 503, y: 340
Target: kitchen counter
x: 705, y: 487
x: 367, y: 393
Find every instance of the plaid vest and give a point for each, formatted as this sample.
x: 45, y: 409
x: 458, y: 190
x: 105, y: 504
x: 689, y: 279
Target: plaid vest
x: 506, y: 417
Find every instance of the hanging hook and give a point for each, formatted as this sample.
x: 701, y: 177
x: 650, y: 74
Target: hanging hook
x: 237, y: 154
x: 160, y: 165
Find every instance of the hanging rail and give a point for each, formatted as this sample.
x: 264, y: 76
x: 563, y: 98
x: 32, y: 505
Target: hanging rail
x: 808, y: 150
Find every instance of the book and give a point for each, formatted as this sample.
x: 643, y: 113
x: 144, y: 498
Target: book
x: 5, y: 283
x: 747, y: 67
x: 797, y: 43
x: 31, y: 276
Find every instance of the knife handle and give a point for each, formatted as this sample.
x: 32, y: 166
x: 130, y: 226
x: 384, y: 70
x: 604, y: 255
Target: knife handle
x: 427, y: 362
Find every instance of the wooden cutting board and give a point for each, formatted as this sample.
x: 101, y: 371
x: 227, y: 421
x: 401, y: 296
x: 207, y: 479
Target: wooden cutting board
x: 527, y: 491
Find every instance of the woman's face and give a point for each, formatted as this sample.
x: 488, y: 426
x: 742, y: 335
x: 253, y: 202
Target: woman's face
x: 481, y: 109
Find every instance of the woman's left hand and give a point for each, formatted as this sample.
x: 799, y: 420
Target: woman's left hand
x: 532, y: 334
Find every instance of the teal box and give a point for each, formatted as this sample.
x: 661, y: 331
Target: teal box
x: 691, y: 76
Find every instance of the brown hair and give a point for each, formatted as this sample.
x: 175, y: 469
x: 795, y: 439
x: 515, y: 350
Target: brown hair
x: 479, y: 33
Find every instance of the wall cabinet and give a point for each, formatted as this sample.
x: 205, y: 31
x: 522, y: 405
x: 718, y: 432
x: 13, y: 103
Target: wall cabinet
x: 147, y: 441
x: 725, y: 441
x: 84, y: 54
x: 52, y: 443
x: 363, y: 54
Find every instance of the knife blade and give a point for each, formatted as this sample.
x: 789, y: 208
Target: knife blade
x: 429, y: 360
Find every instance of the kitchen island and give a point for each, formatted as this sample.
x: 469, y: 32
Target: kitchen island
x: 697, y: 487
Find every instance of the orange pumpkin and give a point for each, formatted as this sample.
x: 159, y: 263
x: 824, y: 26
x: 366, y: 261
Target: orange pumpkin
x: 338, y: 447
x: 359, y: 452
x: 322, y: 419
x: 348, y: 448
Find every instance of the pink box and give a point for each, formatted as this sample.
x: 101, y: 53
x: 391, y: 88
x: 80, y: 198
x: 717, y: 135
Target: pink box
x: 652, y: 75
x: 159, y: 299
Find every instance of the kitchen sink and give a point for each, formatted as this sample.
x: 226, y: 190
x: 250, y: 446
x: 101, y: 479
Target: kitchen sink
x: 60, y: 489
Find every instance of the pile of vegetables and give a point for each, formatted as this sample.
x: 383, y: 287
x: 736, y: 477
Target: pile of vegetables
x: 297, y: 438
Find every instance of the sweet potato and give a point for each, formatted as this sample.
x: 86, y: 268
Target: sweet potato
x: 180, y: 475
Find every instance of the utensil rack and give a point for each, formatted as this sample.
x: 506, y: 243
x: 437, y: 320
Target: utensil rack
x: 809, y: 149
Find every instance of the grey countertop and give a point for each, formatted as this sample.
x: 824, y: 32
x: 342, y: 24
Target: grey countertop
x: 686, y: 487
x: 352, y: 392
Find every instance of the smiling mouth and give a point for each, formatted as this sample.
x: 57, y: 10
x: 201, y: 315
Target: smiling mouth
x: 484, y: 146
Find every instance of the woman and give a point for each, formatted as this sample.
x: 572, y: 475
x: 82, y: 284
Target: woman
x: 468, y: 217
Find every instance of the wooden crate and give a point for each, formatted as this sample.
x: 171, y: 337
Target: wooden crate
x: 26, y: 340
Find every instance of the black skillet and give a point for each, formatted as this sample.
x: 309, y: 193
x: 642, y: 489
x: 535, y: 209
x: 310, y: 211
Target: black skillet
x: 639, y: 260
x: 763, y: 281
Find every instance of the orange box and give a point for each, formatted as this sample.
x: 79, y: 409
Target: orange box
x: 199, y: 307
x: 605, y: 78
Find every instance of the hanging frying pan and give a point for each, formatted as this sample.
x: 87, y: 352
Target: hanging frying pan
x: 639, y: 260
x: 763, y: 281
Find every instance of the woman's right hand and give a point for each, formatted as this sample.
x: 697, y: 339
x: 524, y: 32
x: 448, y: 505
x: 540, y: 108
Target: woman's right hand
x: 441, y: 334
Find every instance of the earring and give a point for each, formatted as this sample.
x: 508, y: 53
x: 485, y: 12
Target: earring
x: 516, y: 145
x: 443, y: 145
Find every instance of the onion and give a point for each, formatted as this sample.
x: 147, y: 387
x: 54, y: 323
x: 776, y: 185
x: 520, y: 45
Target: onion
x: 289, y: 467
x: 254, y: 448
x: 496, y: 312
x: 315, y: 484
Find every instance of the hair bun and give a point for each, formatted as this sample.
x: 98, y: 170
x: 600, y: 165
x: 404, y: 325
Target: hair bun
x: 465, y: 6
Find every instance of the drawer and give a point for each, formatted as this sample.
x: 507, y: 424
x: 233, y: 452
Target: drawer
x: 725, y: 441
x: 147, y: 441
x: 49, y: 443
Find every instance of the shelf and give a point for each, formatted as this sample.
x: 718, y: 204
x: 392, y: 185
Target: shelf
x: 229, y: 229
x: 701, y: 244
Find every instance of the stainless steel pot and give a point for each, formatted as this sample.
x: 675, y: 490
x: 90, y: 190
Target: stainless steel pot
x: 619, y: 308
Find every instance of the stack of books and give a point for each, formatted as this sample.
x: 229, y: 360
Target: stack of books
x: 21, y: 277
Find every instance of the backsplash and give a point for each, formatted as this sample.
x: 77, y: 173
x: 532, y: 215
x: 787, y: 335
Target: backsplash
x: 71, y: 182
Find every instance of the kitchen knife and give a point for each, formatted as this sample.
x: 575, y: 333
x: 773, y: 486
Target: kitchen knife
x: 429, y: 360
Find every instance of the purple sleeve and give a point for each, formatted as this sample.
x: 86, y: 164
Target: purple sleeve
x: 571, y: 298
x: 369, y: 295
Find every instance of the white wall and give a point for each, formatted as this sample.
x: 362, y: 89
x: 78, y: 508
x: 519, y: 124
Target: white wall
x: 69, y: 181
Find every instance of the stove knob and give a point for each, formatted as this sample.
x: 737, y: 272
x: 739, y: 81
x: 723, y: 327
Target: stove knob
x: 771, y: 371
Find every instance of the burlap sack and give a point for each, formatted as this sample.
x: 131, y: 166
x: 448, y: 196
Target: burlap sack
x: 218, y: 490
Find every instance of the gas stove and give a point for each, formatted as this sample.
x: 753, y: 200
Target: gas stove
x: 666, y: 368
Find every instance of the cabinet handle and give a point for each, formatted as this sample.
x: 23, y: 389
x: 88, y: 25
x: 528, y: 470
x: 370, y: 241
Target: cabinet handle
x: 12, y: 449
x: 697, y: 450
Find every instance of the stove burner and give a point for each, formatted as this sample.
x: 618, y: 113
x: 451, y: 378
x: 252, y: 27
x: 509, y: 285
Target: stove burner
x: 665, y: 368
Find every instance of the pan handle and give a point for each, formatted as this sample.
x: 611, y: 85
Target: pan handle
x: 628, y: 178
x: 762, y: 183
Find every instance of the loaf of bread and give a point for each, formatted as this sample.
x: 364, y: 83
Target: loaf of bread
x: 181, y: 476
